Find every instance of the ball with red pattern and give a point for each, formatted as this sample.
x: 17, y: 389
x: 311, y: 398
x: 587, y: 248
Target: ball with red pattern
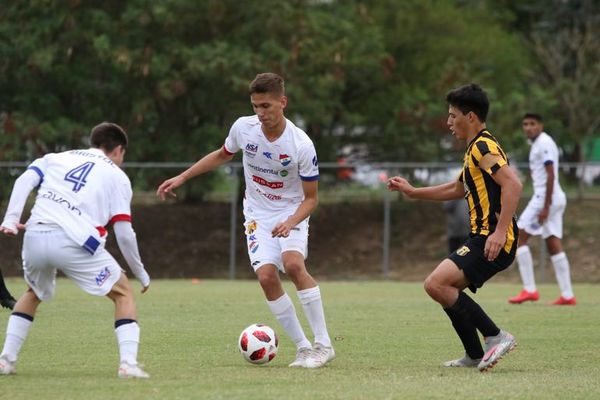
x: 258, y: 344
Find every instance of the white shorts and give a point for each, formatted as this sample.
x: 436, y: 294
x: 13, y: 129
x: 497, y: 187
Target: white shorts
x: 265, y: 249
x: 46, y: 250
x: 528, y: 221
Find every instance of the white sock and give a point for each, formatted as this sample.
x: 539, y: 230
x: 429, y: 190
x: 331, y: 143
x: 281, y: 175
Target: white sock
x: 313, y: 308
x: 525, y: 261
x: 128, y: 336
x: 285, y: 312
x: 16, y: 333
x: 563, y: 275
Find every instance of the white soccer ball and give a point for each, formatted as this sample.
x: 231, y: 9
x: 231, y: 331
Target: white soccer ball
x: 258, y: 344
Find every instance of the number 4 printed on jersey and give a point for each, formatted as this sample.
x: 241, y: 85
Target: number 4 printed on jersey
x: 78, y: 175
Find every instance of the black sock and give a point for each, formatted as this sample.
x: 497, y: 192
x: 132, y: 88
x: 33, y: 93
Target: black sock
x: 4, y: 293
x: 467, y: 333
x: 470, y: 310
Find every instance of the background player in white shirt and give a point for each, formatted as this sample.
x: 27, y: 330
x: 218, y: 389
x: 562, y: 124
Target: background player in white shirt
x: 543, y: 215
x: 80, y: 192
x: 281, y: 175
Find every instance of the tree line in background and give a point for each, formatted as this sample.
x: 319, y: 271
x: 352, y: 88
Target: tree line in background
x: 374, y: 72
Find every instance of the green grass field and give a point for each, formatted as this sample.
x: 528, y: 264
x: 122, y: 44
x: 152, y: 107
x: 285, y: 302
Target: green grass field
x: 389, y: 337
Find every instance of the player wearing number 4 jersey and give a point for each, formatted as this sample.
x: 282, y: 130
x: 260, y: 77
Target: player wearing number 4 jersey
x: 80, y: 192
x: 281, y: 174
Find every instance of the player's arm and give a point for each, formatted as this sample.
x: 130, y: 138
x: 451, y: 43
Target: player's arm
x: 207, y: 163
x: 543, y: 215
x: 308, y: 205
x: 447, y: 191
x: 510, y: 192
x: 24, y: 184
x: 127, y: 241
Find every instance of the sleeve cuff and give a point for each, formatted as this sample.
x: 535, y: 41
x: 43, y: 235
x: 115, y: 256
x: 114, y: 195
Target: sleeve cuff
x: 309, y: 178
x: 229, y: 153
x: 120, y: 217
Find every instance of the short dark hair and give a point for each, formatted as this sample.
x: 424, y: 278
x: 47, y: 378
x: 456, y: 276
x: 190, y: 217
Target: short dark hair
x: 268, y: 82
x: 107, y: 136
x: 535, y: 116
x: 470, y: 98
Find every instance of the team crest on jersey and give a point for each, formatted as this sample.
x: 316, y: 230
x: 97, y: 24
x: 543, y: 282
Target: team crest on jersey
x: 253, y: 247
x: 251, y: 149
x: 251, y: 227
x: 463, y: 251
x: 285, y: 160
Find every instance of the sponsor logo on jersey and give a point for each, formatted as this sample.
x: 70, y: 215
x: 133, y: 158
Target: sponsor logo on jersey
x: 255, y: 263
x: 102, y: 276
x: 264, y: 182
x: 463, y: 251
x: 251, y: 149
x: 269, y: 196
x: 285, y: 160
x: 268, y: 155
x: 50, y: 195
x: 251, y: 227
x: 283, y: 173
x: 252, y: 237
x: 315, y: 161
x: 263, y: 170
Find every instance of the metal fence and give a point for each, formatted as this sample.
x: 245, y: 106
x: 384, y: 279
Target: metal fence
x: 345, y: 182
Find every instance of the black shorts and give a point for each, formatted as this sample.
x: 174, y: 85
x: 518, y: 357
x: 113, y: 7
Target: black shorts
x: 477, y: 269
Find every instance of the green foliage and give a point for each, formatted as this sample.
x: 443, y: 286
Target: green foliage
x: 175, y: 72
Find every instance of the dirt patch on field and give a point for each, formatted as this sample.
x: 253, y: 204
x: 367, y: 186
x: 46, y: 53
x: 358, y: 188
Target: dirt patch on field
x: 184, y: 241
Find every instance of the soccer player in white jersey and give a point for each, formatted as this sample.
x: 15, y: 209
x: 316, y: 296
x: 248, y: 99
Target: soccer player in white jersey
x: 543, y: 215
x: 80, y: 192
x: 281, y: 174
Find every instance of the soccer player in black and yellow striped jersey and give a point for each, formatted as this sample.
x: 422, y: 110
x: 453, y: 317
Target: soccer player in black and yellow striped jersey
x: 492, y: 190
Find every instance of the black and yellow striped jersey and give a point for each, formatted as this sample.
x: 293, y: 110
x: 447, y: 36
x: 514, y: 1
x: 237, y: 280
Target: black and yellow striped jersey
x: 482, y: 192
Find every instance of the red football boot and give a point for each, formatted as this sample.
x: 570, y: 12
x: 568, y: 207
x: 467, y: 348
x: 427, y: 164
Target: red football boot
x: 524, y: 296
x: 561, y: 301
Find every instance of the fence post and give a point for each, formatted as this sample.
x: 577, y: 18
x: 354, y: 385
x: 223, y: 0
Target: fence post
x: 386, y: 234
x: 233, y: 221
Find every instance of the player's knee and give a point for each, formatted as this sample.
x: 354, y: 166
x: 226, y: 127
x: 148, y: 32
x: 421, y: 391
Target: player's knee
x: 267, y: 279
x: 294, y: 270
x: 432, y: 287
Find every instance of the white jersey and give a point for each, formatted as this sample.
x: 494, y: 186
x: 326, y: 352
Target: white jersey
x: 543, y: 152
x: 82, y: 191
x: 273, y: 171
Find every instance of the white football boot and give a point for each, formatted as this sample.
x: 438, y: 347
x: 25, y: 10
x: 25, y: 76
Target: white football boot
x: 496, y: 347
x: 127, y: 370
x: 301, y: 357
x: 465, y: 362
x: 319, y: 356
x: 7, y: 367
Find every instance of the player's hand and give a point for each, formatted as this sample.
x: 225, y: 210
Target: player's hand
x: 10, y: 231
x: 282, y: 229
x: 543, y: 215
x: 167, y: 187
x: 494, y: 243
x: 399, y: 184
